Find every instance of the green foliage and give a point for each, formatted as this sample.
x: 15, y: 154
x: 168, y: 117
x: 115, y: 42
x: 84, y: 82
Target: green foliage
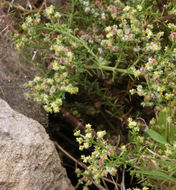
x: 103, y: 41
x: 156, y: 136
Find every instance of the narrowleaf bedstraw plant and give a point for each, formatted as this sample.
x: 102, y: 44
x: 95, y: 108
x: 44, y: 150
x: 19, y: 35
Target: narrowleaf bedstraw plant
x: 103, y: 41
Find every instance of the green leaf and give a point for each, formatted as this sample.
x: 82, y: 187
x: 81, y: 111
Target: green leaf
x: 156, y: 136
x: 156, y: 174
x: 162, y: 118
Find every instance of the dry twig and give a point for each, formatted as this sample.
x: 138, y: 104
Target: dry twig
x: 160, y: 20
x: 85, y: 167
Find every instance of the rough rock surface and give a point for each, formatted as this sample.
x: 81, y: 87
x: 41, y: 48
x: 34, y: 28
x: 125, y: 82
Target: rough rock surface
x: 28, y: 159
x: 14, y: 72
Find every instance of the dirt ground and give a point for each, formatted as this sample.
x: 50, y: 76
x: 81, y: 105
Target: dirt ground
x: 13, y: 74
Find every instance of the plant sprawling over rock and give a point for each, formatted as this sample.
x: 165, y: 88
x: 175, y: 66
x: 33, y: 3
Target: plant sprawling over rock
x: 91, y: 48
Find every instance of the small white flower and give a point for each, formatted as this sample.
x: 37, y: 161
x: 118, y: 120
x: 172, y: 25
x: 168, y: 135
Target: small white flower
x: 100, y: 134
x: 108, y: 29
x: 139, y: 7
x: 100, y: 50
x: 103, y: 16
x: 123, y: 148
x: 92, y: 10
x: 88, y: 135
x: 87, y: 9
x: 126, y: 9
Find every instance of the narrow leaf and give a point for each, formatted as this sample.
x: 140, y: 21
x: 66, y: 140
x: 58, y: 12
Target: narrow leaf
x: 162, y: 118
x: 156, y: 136
x: 158, y: 175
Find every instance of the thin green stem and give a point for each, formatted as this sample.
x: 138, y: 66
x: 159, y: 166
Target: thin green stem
x: 98, y: 66
x: 108, y: 68
x: 71, y: 16
x: 61, y: 30
x: 116, y: 65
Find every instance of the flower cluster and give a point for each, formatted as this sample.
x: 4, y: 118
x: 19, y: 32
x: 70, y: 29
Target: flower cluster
x: 133, y: 124
x: 50, y: 91
x: 102, y: 159
x: 97, y: 9
x: 161, y: 80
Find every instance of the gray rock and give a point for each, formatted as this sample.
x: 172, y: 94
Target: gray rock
x: 28, y: 159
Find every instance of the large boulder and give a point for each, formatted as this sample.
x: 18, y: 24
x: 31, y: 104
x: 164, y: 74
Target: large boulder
x: 28, y: 159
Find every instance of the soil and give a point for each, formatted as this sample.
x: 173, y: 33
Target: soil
x: 13, y: 74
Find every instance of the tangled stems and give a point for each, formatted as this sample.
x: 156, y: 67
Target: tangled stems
x: 98, y: 65
x: 116, y: 39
